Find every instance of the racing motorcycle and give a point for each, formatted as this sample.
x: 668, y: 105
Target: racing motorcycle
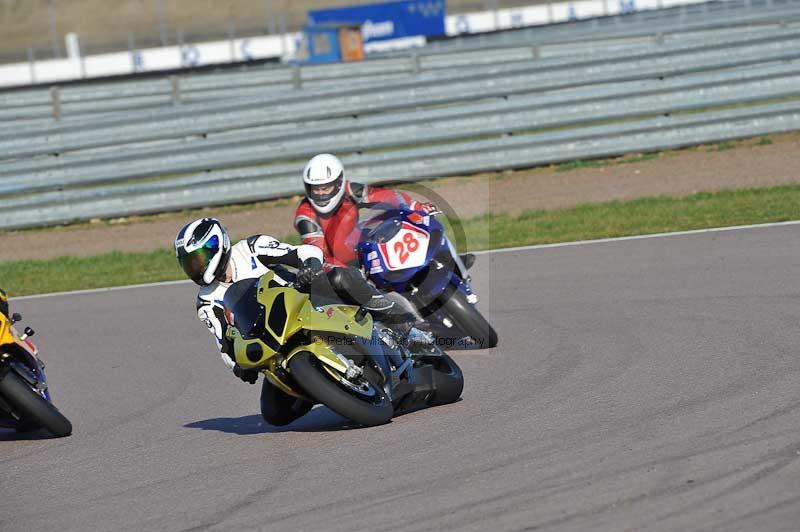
x: 407, y: 252
x: 25, y: 403
x: 334, y: 354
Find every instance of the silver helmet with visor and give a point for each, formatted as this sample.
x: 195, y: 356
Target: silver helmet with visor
x: 203, y: 249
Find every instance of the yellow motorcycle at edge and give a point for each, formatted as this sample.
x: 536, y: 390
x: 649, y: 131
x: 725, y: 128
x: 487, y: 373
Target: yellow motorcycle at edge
x: 25, y: 403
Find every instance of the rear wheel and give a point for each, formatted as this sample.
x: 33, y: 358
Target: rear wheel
x: 467, y: 319
x: 448, y: 380
x: 33, y: 408
x: 364, y: 401
x: 26, y: 426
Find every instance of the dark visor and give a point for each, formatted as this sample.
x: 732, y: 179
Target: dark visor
x: 196, y: 262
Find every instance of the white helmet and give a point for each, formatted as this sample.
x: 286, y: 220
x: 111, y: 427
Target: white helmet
x: 325, y: 182
x: 203, y: 250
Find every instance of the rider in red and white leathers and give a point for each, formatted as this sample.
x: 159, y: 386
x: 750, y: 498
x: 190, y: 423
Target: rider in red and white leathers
x: 328, y: 215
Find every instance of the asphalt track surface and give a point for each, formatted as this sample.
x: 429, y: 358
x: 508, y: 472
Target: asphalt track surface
x: 639, y: 385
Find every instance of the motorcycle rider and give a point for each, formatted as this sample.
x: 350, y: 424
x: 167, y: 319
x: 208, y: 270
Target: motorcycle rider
x: 328, y: 215
x: 203, y: 250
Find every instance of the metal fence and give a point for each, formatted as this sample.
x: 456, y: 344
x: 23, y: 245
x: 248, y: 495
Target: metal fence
x: 435, y: 88
x: 682, y: 24
x: 660, y: 93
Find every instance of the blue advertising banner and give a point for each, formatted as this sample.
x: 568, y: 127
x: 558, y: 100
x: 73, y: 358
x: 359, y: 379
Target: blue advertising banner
x: 389, y: 20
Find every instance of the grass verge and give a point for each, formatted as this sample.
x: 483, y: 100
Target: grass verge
x: 584, y: 222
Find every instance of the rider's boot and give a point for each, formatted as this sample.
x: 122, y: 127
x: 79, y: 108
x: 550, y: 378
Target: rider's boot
x: 386, y: 311
x: 398, y: 319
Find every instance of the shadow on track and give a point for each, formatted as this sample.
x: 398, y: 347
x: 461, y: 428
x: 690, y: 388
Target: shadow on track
x: 13, y: 435
x: 320, y: 419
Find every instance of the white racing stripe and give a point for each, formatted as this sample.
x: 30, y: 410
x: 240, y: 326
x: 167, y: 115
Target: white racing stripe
x: 484, y: 252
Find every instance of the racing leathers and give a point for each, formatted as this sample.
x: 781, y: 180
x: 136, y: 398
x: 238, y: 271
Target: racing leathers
x: 336, y: 233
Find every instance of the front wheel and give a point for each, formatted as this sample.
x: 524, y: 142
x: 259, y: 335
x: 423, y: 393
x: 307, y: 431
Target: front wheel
x: 364, y: 402
x: 33, y: 408
x: 468, y: 319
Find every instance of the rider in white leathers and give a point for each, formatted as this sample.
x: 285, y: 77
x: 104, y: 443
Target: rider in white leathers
x: 204, y: 252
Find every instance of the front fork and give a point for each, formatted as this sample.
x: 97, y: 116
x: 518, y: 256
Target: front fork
x: 462, y: 270
x: 35, y: 378
x: 330, y: 358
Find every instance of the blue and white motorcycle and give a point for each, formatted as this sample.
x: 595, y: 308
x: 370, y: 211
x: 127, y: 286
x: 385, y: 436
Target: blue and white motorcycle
x: 407, y: 252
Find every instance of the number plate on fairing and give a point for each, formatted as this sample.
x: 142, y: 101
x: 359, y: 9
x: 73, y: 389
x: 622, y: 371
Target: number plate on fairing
x: 407, y: 249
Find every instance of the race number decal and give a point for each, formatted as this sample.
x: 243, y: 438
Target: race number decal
x: 407, y: 249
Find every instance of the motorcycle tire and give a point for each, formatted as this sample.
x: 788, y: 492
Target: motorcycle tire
x: 306, y: 370
x: 26, y: 426
x: 32, y: 407
x: 448, y: 378
x: 467, y: 319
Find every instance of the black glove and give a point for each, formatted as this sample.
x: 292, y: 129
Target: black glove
x: 311, y: 269
x: 247, y: 375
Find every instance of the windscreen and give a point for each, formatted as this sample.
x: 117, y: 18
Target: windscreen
x: 380, y: 222
x: 240, y: 300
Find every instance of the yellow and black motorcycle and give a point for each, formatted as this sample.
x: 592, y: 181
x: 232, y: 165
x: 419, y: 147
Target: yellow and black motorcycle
x: 25, y: 402
x: 335, y: 354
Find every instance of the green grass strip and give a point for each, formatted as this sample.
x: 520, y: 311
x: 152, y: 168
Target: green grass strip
x: 584, y: 222
x: 641, y: 216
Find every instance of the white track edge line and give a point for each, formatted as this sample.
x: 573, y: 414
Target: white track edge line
x: 636, y: 237
x: 483, y: 252
x: 100, y: 290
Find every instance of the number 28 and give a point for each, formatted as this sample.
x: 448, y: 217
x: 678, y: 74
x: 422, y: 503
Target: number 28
x: 409, y: 245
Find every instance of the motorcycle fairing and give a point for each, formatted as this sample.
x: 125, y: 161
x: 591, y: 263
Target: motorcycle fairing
x: 373, y: 255
x: 289, y: 312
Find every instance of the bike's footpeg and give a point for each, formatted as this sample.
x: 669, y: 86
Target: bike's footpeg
x: 361, y: 314
x: 417, y: 336
x: 388, y: 337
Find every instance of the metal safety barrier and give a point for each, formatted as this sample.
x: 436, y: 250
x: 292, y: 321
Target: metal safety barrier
x: 627, y: 94
x: 627, y: 31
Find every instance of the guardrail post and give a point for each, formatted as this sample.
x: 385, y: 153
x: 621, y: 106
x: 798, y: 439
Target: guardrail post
x: 32, y: 64
x: 55, y: 97
x: 297, y: 81
x: 415, y: 63
x: 175, y: 83
x: 535, y: 52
